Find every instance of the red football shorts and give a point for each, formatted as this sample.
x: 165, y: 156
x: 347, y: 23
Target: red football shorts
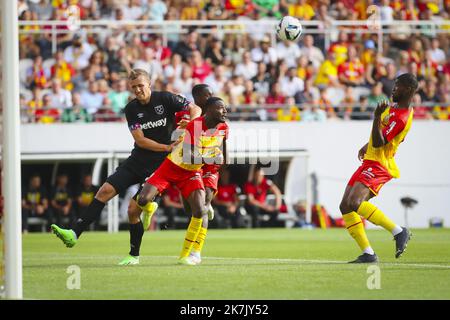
x: 169, y: 173
x: 371, y: 174
x: 210, y: 177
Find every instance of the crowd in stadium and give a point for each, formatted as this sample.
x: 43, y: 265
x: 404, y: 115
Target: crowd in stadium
x: 84, y: 80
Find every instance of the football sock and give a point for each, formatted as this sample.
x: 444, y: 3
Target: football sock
x: 136, y: 233
x: 90, y: 215
x: 397, y: 229
x: 376, y: 216
x: 200, y: 240
x: 191, y: 234
x: 355, y: 227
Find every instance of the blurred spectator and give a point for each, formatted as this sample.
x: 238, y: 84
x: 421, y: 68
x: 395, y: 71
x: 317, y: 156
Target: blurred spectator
x: 133, y: 11
x: 186, y: 47
x: 76, y: 113
x: 345, y: 107
x: 157, y: 9
x: 340, y: 48
x: 36, y: 102
x: 368, y: 55
x: 262, y: 81
x: 328, y: 72
x: 403, y: 63
x: 173, y: 70
x: 376, y: 95
x: 85, y: 194
x: 227, y: 201
x: 411, y: 10
x: 301, y: 10
x: 300, y: 211
x: 275, y: 96
x: 268, y: 8
x: 291, y: 113
x: 264, y: 52
x: 173, y: 206
x: 291, y: 84
x: 105, y: 113
x: 362, y: 111
x: 324, y: 103
x: 60, y: 98
x: 119, y: 63
x: 436, y: 53
x: 200, y: 68
x: 288, y: 51
x: 386, y: 11
x: 214, y: 53
x: 48, y: 113
x: 311, y: 112
x: 149, y: 63
x: 98, y: 66
x: 309, y: 94
x: 43, y: 8
x: 237, y: 88
x: 44, y: 43
x: 190, y: 11
x: 420, y: 111
x: 429, y: 93
x: 314, y: 54
x: 119, y: 95
x: 91, y: 99
x: 247, y: 68
x: 162, y: 53
x: 416, y: 53
x: 427, y: 67
x: 184, y: 84
x: 351, y: 72
x: 256, y: 190
x: 61, y: 202
x: 34, y: 202
x: 388, y: 80
x: 78, y: 53
x: 37, y: 75
x: 249, y: 96
x: 215, y: 10
x: 216, y: 80
x: 63, y: 71
x: 305, y: 69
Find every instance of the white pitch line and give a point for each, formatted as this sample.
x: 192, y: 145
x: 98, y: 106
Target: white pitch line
x: 308, y: 261
x: 419, y: 265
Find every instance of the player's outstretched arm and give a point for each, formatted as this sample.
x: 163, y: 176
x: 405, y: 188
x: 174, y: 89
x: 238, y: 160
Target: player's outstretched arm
x: 194, y: 111
x: 149, y: 144
x: 378, y: 139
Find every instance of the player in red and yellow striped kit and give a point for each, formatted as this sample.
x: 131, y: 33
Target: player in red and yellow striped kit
x: 390, y: 125
x: 201, y: 144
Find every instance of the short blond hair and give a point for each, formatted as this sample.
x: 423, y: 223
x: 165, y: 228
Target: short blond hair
x: 135, y: 73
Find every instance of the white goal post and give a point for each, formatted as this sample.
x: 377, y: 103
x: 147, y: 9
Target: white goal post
x: 11, y: 180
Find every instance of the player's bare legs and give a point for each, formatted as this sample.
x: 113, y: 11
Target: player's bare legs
x: 209, y: 195
x: 354, y: 204
x: 353, y: 197
x: 147, y: 194
x: 134, y: 212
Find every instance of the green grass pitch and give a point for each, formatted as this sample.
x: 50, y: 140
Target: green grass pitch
x: 239, y: 264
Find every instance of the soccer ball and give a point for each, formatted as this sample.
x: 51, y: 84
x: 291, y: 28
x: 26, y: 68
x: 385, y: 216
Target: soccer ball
x: 289, y: 28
